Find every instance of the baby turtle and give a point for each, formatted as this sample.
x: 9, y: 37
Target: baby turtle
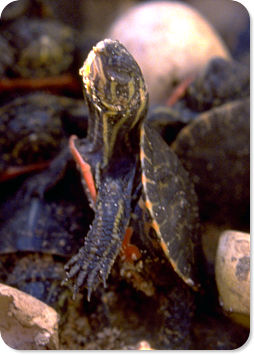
x: 7, y: 56
x: 215, y: 149
x: 43, y: 47
x: 209, y: 131
x: 37, y: 236
x: 221, y: 81
x: 34, y: 129
x: 214, y: 146
x: 125, y: 163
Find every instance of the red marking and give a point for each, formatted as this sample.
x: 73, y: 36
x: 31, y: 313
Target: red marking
x: 164, y: 248
x: 84, y: 167
x: 129, y: 252
x: 179, y: 91
x: 15, y: 171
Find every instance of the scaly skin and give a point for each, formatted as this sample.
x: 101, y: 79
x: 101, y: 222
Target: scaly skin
x: 117, y: 98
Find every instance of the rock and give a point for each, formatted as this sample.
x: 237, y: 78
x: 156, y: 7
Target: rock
x: 236, y: 37
x: 170, y: 41
x: 25, y: 322
x: 232, y: 271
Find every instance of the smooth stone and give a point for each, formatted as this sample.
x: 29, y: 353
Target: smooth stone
x: 25, y: 322
x: 232, y: 272
x: 170, y: 41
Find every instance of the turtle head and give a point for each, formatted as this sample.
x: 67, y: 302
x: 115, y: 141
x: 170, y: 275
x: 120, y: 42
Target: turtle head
x: 116, y: 94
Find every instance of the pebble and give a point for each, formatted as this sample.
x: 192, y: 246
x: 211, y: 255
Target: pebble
x: 170, y: 41
x: 25, y: 322
x: 232, y: 272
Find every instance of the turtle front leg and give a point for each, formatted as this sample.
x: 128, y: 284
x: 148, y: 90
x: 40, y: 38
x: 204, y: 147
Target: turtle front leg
x: 94, y: 260
x: 86, y: 172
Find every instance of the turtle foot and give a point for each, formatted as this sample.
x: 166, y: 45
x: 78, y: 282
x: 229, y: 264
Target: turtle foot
x: 85, y: 272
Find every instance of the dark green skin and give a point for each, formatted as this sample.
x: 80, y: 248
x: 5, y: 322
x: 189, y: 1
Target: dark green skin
x: 120, y: 184
x: 114, y: 174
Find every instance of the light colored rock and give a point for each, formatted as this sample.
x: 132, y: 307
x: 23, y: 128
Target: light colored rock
x: 232, y: 271
x: 25, y: 322
x: 229, y: 12
x: 170, y: 41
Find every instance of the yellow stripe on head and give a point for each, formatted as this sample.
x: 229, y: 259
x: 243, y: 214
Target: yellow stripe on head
x: 84, y: 71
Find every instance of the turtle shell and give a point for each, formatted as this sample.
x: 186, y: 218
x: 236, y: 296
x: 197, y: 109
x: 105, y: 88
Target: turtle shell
x: 34, y: 128
x: 222, y: 81
x: 7, y: 56
x: 172, y: 204
x: 37, y: 235
x: 41, y: 226
x: 43, y: 47
x: 215, y: 150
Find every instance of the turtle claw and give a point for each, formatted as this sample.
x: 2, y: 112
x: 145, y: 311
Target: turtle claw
x: 83, y: 273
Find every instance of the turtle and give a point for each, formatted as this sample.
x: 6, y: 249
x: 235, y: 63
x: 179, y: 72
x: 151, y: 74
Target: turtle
x: 213, y: 142
x: 126, y: 164
x: 34, y: 128
x: 121, y: 172
x: 215, y: 149
x: 36, y: 9
x: 168, y: 121
x: 42, y: 47
x: 209, y: 129
x: 220, y: 82
x: 7, y: 57
x: 37, y: 236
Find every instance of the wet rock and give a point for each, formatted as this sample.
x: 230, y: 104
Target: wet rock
x: 222, y: 13
x: 25, y: 322
x: 165, y: 38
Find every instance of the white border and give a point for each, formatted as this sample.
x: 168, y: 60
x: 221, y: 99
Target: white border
x: 5, y: 349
